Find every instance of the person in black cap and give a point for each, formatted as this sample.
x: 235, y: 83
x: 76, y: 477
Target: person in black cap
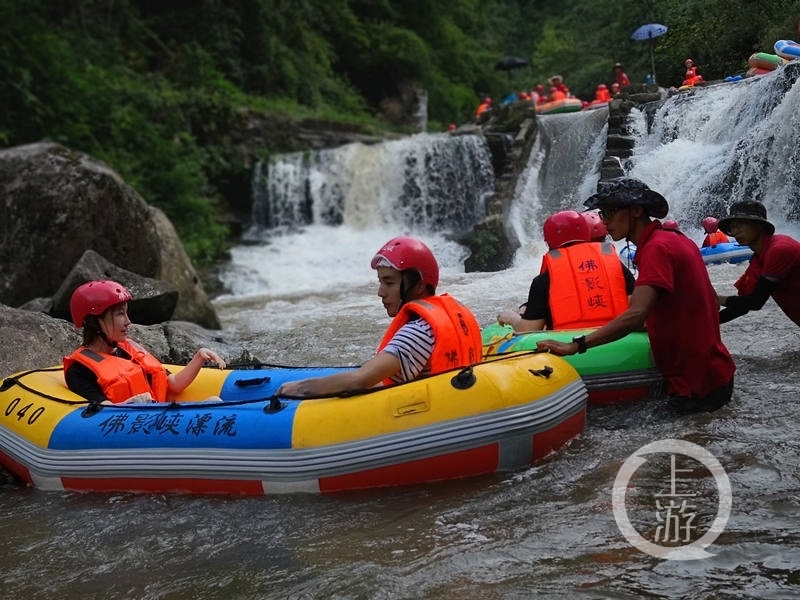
x: 774, y: 269
x: 673, y: 298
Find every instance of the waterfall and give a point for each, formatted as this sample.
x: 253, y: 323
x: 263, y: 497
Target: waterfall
x: 421, y: 183
x: 562, y: 171
x: 712, y: 146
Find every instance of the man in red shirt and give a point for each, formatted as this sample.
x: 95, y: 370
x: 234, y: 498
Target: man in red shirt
x: 774, y: 269
x: 673, y: 298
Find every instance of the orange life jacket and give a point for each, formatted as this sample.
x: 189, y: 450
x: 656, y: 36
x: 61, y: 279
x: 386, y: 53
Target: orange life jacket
x: 717, y: 237
x: 587, y: 286
x: 602, y: 95
x: 120, y: 378
x: 482, y: 108
x: 456, y: 333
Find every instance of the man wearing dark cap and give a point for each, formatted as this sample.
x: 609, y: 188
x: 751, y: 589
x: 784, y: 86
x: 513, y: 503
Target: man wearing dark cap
x: 774, y: 269
x: 673, y: 298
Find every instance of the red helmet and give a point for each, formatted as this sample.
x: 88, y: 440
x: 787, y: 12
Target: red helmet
x: 564, y: 227
x: 710, y: 224
x: 94, y: 298
x: 602, y: 86
x: 597, y: 229
x: 403, y: 253
x: 670, y: 224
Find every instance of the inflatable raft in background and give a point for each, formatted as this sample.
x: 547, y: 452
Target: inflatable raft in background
x: 559, y: 106
x: 500, y: 415
x: 727, y: 252
x: 761, y: 63
x: 787, y: 49
x: 620, y: 371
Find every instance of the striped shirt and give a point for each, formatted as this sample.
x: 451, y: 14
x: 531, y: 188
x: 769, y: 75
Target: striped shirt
x: 413, y: 346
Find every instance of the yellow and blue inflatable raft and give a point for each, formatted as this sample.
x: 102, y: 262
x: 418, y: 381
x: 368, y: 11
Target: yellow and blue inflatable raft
x: 499, y: 415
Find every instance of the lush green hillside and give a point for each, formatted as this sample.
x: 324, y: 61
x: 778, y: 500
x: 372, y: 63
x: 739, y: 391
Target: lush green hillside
x: 155, y: 88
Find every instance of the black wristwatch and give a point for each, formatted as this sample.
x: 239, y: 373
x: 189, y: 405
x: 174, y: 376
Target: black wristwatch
x: 581, y: 341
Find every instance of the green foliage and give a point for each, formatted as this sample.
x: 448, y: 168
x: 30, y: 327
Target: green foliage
x: 156, y: 89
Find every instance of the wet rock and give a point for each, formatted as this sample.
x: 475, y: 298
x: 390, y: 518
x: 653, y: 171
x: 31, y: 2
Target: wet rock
x: 154, y: 301
x: 58, y: 203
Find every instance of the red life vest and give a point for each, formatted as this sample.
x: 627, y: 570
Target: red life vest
x: 587, y: 286
x: 120, y: 378
x: 456, y: 333
x: 712, y: 239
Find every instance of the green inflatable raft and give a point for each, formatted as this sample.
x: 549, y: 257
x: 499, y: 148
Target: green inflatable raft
x: 619, y: 371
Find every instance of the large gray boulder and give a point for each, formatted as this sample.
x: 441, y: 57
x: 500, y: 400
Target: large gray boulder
x: 56, y: 204
x: 153, y: 300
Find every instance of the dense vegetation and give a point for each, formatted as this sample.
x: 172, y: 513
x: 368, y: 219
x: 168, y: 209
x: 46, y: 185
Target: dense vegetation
x: 155, y: 87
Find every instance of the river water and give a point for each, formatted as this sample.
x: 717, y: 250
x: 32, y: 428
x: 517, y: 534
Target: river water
x: 308, y: 297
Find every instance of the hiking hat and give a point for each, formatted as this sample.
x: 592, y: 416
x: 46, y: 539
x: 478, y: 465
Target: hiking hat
x: 746, y: 210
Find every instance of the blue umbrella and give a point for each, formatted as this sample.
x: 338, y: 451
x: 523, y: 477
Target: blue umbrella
x: 649, y: 32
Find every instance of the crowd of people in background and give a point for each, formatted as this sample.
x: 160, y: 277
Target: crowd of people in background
x: 558, y: 90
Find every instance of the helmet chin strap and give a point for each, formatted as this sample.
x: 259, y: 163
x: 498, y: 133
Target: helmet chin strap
x: 409, y: 279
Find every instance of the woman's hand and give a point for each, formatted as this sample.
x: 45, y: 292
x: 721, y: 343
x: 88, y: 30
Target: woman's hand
x: 207, y: 355
x: 509, y: 317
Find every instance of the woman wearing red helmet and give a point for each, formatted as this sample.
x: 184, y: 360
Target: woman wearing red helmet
x: 428, y: 334
x: 110, y: 367
x: 581, y: 283
x: 713, y: 235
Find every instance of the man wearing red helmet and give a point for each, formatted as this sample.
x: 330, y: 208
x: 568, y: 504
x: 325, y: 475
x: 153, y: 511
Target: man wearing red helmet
x: 109, y: 366
x: 582, y: 282
x: 428, y: 334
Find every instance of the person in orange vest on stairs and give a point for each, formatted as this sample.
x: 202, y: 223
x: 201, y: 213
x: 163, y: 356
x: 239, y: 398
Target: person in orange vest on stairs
x: 580, y: 283
x: 430, y: 333
x: 713, y: 235
x: 486, y: 104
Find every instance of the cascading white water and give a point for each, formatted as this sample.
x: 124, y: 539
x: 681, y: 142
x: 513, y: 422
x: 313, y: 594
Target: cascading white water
x: 721, y: 143
x: 562, y: 171
x: 424, y: 182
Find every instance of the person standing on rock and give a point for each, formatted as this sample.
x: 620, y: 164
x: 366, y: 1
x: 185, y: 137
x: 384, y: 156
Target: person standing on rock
x: 673, y: 297
x: 111, y: 368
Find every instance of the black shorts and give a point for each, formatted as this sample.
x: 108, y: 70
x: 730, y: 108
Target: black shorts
x: 716, y: 399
